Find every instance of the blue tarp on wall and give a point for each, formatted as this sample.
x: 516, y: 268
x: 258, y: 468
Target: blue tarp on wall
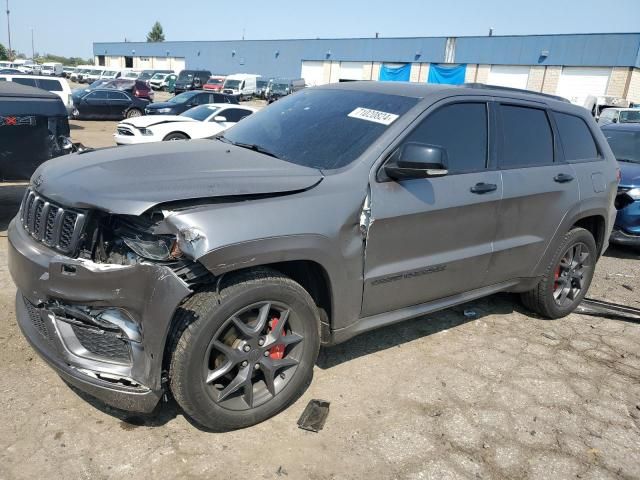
x: 449, y: 75
x: 395, y: 74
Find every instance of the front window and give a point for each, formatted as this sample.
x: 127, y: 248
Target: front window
x: 630, y: 116
x: 183, y: 97
x: 185, y: 76
x: 214, y: 81
x: 325, y: 129
x: 279, y: 87
x: 232, y: 84
x: 200, y: 113
x: 145, y: 76
x: 158, y: 76
x: 625, y: 145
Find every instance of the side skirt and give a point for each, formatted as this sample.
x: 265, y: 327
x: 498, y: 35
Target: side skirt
x: 388, y: 318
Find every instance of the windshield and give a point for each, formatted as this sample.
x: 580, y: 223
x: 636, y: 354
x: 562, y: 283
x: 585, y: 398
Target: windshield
x: 233, y: 84
x: 130, y: 75
x: 183, y: 97
x: 279, y: 87
x: 109, y: 73
x: 298, y: 127
x: 214, y: 81
x: 625, y: 145
x: 145, y: 75
x: 185, y: 76
x: 47, y: 67
x: 201, y: 112
x: 159, y: 76
x: 630, y: 116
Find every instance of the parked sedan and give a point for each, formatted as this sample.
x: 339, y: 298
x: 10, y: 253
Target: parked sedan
x: 108, y: 103
x: 199, y: 122
x: 624, y: 140
x: 186, y: 100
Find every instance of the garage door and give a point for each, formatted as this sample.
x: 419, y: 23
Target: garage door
x: 577, y: 82
x: 161, y: 63
x: 312, y: 72
x: 514, y: 76
x: 351, y: 71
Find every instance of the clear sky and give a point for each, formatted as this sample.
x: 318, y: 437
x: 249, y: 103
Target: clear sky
x: 69, y: 27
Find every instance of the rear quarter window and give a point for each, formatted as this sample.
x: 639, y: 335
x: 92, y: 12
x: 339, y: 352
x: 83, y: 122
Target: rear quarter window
x: 29, y: 82
x: 51, y: 85
x: 576, y: 138
x: 527, y: 138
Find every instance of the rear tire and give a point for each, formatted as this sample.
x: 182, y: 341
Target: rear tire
x: 220, y: 338
x: 175, y: 136
x: 567, y: 277
x: 133, y: 112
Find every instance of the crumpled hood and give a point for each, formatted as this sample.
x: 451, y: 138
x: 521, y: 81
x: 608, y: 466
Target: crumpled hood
x: 149, y: 120
x: 159, y: 105
x: 630, y: 174
x: 130, y: 180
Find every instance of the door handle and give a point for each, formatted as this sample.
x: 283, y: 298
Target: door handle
x: 482, y: 187
x: 563, y: 178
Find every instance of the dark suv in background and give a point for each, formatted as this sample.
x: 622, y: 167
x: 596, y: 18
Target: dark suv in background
x: 186, y: 100
x: 216, y: 268
x: 191, y: 80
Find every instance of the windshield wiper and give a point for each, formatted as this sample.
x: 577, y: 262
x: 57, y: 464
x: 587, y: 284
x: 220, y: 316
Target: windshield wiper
x: 250, y: 146
x: 627, y: 160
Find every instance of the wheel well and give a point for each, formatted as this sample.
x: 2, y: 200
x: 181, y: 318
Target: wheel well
x: 177, y: 131
x: 596, y: 225
x: 314, y: 279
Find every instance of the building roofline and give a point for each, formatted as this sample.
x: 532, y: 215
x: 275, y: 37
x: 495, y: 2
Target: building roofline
x: 382, y: 38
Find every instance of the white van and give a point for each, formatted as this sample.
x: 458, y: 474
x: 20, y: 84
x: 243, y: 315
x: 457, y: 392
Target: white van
x: 52, y: 69
x: 94, y: 74
x: 111, y: 74
x: 78, y: 75
x: 241, y: 85
x: 59, y: 86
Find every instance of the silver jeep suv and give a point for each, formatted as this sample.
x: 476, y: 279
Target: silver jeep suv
x: 214, y: 269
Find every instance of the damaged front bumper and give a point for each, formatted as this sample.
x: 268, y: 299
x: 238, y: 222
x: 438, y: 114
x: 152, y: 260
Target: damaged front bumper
x: 103, y: 328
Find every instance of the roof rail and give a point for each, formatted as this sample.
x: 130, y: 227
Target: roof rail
x: 515, y: 90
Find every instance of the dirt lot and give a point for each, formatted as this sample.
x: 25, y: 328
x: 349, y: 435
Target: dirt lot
x: 505, y: 395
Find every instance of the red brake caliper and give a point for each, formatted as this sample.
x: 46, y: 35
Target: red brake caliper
x: 277, y: 351
x: 556, y: 276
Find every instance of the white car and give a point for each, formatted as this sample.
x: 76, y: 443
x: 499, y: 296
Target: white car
x: 202, y: 121
x: 59, y: 86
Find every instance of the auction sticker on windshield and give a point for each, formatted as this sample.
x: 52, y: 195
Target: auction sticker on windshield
x: 373, y: 116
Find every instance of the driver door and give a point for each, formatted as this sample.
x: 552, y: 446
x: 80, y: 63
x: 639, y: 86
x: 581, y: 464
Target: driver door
x: 431, y: 238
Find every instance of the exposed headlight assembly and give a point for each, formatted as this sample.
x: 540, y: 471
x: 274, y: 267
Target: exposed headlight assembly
x: 162, y: 248
x: 145, y: 131
x: 164, y: 110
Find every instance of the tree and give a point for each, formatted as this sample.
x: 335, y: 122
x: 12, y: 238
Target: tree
x: 4, y: 54
x: 156, y: 34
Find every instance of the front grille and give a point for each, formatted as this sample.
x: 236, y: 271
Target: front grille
x: 102, y: 343
x: 51, y: 224
x: 36, y: 319
x: 124, y: 131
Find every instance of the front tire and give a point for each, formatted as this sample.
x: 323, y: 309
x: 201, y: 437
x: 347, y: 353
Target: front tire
x: 567, y: 277
x: 244, y: 354
x: 175, y: 136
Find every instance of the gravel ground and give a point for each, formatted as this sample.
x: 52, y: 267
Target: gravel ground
x: 506, y: 395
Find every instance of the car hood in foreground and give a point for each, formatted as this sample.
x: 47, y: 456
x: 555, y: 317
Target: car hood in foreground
x: 149, y: 120
x: 630, y: 174
x: 130, y: 180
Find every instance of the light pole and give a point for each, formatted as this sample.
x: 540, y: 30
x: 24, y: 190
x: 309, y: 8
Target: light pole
x: 33, y: 50
x: 9, y: 32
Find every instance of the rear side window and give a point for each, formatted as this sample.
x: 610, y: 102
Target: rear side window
x: 51, y: 85
x: 29, y: 82
x: 576, y: 138
x: 235, y: 114
x: 118, y: 96
x: 461, y: 129
x: 527, y: 137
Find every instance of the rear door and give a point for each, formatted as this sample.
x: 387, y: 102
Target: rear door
x: 539, y: 189
x: 119, y: 102
x: 432, y: 238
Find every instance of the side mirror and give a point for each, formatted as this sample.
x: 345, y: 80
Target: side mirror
x: 417, y: 160
x: 219, y: 118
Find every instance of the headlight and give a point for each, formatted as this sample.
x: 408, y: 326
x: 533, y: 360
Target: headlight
x: 164, y: 110
x: 146, y: 132
x: 158, y: 248
x: 634, y: 193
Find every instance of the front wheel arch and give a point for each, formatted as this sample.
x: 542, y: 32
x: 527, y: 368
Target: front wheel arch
x: 177, y: 136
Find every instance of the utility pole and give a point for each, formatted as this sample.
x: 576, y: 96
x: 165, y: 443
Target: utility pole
x: 33, y: 50
x: 9, y: 32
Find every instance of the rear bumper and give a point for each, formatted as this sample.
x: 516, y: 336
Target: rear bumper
x: 146, y: 294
